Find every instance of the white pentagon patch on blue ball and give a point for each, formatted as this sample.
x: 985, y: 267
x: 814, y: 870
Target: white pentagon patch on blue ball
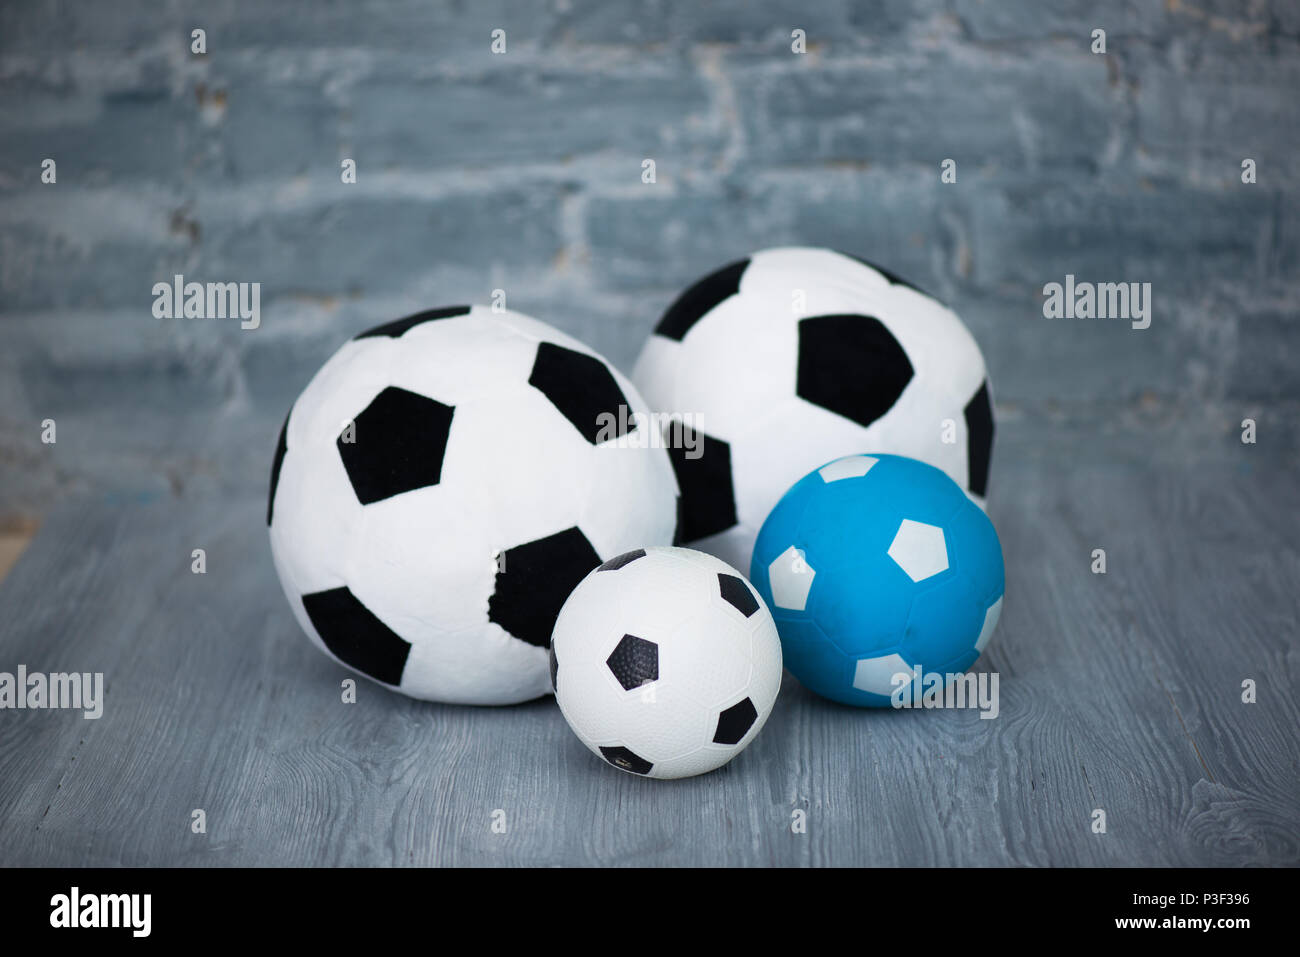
x: 873, y: 565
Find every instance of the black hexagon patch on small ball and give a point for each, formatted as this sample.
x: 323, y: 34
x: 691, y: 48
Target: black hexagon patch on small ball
x: 395, y: 445
x: 623, y: 758
x: 634, y: 662
x: 735, y: 722
x: 979, y: 439
x: 703, y: 468
x: 618, y: 561
x: 534, y: 581
x: 355, y: 636
x: 737, y: 594
x: 851, y: 365
x: 584, y: 390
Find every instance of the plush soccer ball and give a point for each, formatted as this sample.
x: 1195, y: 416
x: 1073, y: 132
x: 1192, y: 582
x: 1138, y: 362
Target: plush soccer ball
x: 873, y: 564
x: 796, y: 356
x: 442, y: 484
x: 665, y: 663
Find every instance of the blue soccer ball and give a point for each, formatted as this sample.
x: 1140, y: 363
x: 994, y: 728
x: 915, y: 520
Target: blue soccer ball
x: 874, y: 566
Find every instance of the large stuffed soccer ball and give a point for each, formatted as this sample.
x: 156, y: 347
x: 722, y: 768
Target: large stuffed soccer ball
x: 797, y: 356
x: 665, y: 663
x: 443, y: 483
x: 874, y: 566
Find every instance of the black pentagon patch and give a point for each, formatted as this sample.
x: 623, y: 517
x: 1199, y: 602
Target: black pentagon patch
x: 618, y: 561
x: 692, y: 305
x: 355, y: 636
x: 893, y: 277
x: 735, y: 722
x: 736, y: 593
x: 281, y: 447
x: 979, y: 439
x: 583, y: 389
x: 534, y: 582
x: 708, y: 502
x: 625, y: 759
x: 555, y: 670
x: 397, y: 444
x: 634, y: 662
x: 399, y: 327
x: 851, y: 365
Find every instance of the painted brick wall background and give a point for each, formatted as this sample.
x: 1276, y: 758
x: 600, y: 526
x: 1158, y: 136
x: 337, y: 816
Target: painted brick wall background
x: 523, y: 171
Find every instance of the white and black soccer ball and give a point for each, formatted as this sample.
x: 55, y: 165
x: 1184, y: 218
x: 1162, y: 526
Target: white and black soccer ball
x: 665, y: 662
x: 796, y: 356
x: 440, y: 487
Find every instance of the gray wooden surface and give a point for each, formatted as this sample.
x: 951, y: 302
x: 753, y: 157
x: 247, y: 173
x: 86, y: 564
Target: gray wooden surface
x: 1120, y: 692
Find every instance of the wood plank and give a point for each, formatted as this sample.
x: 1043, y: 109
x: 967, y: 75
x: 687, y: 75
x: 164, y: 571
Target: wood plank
x: 1117, y: 691
x: 15, y: 535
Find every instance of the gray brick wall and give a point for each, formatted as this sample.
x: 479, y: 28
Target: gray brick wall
x: 523, y: 171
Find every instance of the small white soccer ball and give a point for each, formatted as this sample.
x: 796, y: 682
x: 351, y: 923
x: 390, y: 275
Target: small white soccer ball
x: 665, y: 662
x: 793, y: 357
x: 440, y: 487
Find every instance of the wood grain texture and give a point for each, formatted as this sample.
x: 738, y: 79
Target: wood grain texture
x: 1119, y: 691
x: 12, y: 542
